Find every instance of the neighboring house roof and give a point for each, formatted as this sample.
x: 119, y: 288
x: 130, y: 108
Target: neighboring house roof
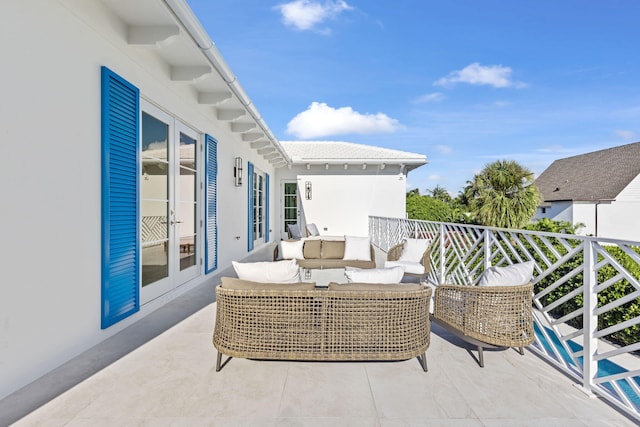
x: 349, y: 153
x: 600, y: 175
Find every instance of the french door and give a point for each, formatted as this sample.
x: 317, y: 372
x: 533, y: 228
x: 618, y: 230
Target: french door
x: 290, y: 209
x: 169, y: 202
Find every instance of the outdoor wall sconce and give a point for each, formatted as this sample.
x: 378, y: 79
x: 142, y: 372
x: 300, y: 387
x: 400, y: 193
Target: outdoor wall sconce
x: 237, y: 171
x: 307, y: 190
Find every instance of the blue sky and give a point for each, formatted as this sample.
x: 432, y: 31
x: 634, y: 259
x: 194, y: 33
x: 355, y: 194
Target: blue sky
x: 464, y: 82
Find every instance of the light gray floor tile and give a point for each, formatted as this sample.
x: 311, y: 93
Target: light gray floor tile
x: 317, y: 389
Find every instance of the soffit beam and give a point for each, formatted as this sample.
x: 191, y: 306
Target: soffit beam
x: 259, y: 144
x: 266, y: 150
x: 146, y: 35
x: 252, y: 136
x: 189, y: 73
x: 242, y: 127
x: 230, y: 114
x: 213, y: 98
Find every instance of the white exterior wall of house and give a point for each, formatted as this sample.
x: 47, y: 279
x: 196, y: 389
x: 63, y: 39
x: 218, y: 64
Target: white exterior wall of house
x: 342, y: 200
x: 558, y: 211
x: 572, y: 212
x: 51, y: 168
x: 619, y: 219
x: 585, y: 213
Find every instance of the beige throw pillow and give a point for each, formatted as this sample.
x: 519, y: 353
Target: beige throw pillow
x: 332, y: 249
x: 312, y: 249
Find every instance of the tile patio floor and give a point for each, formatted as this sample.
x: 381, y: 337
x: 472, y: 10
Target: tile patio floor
x: 161, y: 372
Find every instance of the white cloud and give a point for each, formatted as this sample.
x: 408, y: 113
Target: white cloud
x: 430, y: 97
x: 321, y: 120
x: 306, y: 14
x: 476, y: 74
x: 627, y: 135
x: 434, y: 177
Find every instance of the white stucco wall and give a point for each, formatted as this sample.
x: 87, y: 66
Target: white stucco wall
x: 342, y: 200
x: 51, y: 179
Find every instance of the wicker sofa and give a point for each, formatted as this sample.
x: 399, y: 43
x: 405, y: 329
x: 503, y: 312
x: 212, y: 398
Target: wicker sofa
x: 298, y: 322
x: 486, y: 316
x: 327, y: 253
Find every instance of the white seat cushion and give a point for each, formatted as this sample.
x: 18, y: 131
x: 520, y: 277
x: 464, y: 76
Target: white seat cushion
x: 409, y: 267
x: 374, y: 275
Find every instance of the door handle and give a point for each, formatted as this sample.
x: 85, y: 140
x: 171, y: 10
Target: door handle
x: 173, y: 222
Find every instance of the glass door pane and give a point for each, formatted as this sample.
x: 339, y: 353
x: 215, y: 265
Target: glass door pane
x: 154, y: 199
x: 186, y: 213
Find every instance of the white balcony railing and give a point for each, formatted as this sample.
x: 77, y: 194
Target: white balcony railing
x: 586, y: 301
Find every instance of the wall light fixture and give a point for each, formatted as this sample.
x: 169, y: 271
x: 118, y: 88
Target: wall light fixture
x: 237, y: 171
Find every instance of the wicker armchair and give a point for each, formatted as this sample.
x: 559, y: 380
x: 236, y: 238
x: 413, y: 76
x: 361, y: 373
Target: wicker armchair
x: 394, y: 254
x: 486, y: 316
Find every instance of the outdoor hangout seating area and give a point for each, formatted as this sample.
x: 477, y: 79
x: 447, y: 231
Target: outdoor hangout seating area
x: 270, y: 313
x: 162, y: 371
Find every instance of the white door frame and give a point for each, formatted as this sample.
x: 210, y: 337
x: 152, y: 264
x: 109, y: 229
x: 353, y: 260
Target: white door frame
x: 175, y: 276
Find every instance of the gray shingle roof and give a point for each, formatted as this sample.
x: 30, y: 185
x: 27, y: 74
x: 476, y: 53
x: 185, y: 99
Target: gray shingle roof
x: 600, y: 175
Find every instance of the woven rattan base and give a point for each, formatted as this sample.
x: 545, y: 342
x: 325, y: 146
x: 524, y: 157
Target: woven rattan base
x: 322, y: 325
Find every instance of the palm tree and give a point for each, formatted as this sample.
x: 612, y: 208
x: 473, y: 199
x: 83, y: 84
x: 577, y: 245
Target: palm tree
x: 503, y: 195
x: 440, y: 193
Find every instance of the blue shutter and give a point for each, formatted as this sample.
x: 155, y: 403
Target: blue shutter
x: 120, y: 199
x: 211, y: 208
x: 266, y: 207
x: 250, y: 210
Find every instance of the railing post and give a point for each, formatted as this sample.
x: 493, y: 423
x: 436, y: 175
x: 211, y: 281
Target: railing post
x: 590, y: 318
x: 487, y: 249
x: 441, y: 279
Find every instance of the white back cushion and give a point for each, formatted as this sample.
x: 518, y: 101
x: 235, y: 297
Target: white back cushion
x: 413, y: 249
x: 313, y: 229
x: 374, y: 275
x: 516, y: 274
x: 286, y: 271
x: 357, y: 248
